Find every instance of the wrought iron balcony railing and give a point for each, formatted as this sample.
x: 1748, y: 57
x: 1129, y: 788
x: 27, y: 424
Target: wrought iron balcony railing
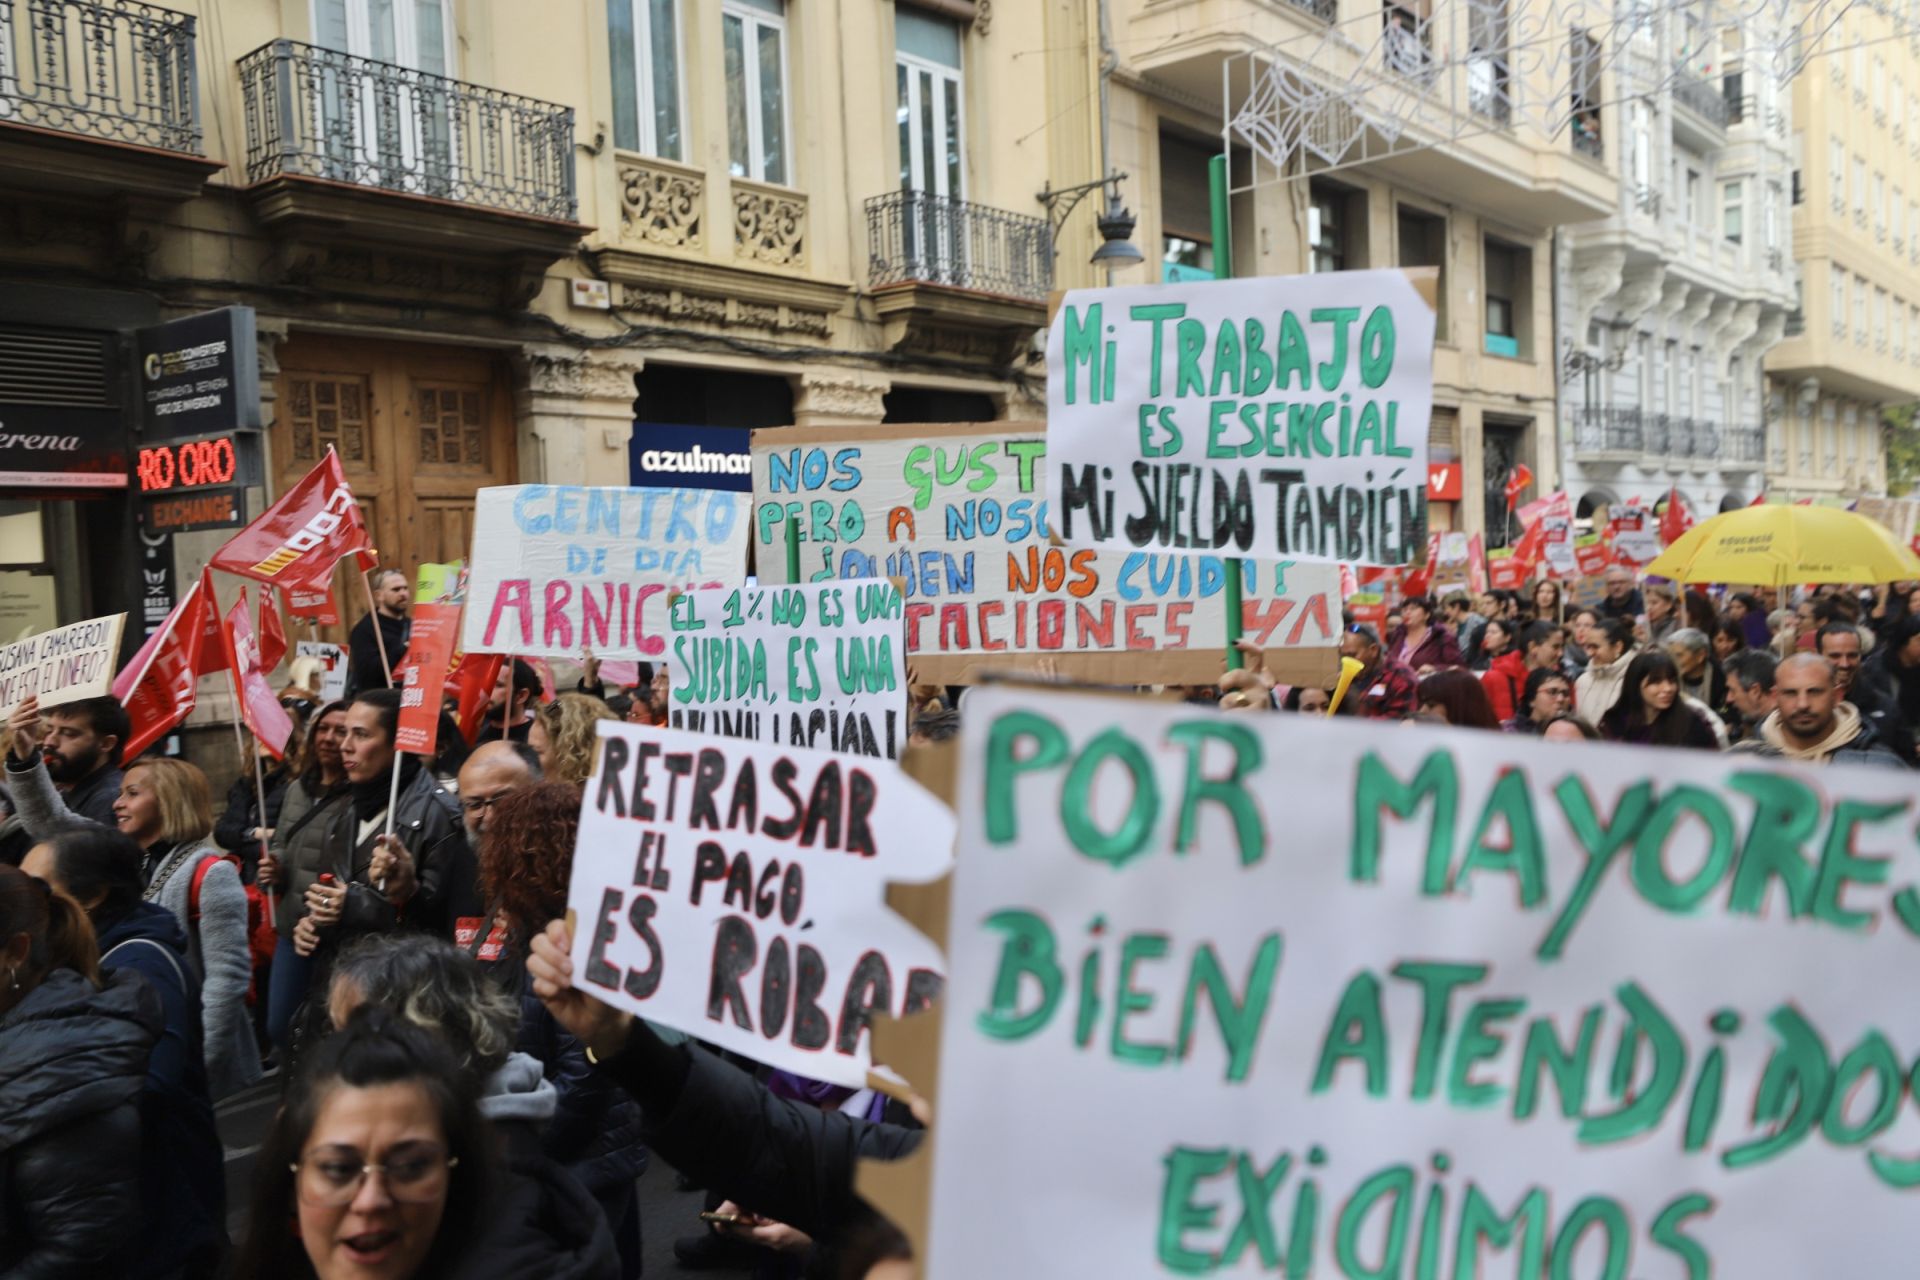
x: 1702, y: 97
x: 1325, y: 10
x: 935, y: 239
x: 116, y: 70
x: 322, y: 114
x: 1608, y: 430
x: 1745, y: 445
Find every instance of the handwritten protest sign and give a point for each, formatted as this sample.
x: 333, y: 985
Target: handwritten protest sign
x: 63, y: 665
x: 1418, y: 1003
x: 958, y: 514
x: 333, y: 667
x: 734, y: 891
x: 1281, y: 417
x: 558, y: 568
x: 816, y: 666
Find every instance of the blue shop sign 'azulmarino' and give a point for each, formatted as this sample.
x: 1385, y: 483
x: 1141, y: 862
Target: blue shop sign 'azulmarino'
x: 665, y: 455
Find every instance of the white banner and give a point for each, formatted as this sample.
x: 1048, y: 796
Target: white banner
x: 63, y: 665
x: 818, y: 666
x: 333, y: 667
x: 559, y: 568
x: 736, y: 892
x: 1230, y: 990
x: 1276, y: 417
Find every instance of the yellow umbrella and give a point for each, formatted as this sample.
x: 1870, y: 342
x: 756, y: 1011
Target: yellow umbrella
x: 1779, y: 546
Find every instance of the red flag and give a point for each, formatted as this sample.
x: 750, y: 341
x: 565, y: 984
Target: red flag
x: 315, y: 604
x: 1477, y: 565
x: 262, y: 712
x: 1518, y: 480
x: 297, y: 541
x: 474, y: 676
x: 211, y: 655
x: 273, y: 635
x: 423, y: 677
x: 1760, y: 501
x: 157, y: 687
x: 1676, y: 519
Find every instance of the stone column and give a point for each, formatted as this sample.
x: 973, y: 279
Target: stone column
x: 835, y: 397
x: 575, y: 411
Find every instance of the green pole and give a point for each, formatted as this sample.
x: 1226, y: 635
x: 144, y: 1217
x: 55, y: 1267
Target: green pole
x: 1223, y: 270
x: 793, y: 550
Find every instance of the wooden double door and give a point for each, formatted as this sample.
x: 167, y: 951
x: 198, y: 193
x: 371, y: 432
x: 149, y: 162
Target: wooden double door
x: 418, y: 429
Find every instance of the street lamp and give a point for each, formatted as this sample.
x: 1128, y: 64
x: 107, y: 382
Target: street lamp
x: 1116, y: 224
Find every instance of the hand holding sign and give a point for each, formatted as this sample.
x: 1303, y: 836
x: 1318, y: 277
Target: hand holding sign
x: 392, y: 870
x: 594, y: 1023
x: 23, y: 730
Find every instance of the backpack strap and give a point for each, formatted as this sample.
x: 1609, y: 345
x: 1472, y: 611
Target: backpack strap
x: 172, y: 961
x: 199, y: 878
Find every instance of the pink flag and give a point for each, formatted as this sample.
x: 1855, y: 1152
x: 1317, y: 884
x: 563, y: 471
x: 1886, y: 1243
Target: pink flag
x: 262, y: 712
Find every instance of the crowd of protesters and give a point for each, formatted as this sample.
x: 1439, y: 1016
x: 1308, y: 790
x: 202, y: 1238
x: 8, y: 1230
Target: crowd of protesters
x: 452, y: 1106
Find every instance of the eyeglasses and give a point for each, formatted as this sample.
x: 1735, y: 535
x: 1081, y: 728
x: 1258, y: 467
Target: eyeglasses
x: 332, y: 1176
x: 476, y: 804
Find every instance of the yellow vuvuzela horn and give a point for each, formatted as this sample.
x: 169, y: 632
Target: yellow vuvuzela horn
x: 1349, y: 668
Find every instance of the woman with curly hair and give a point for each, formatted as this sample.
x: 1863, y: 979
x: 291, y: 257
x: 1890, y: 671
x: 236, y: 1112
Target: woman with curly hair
x: 564, y: 737
x: 526, y: 857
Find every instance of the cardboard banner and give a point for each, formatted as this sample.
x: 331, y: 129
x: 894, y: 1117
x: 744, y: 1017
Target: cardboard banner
x: 559, y: 568
x: 957, y: 514
x: 1591, y: 555
x: 1506, y: 571
x: 1417, y: 1003
x: 1636, y: 539
x: 1277, y: 417
x: 734, y: 891
x: 422, y: 676
x: 333, y: 667
x: 821, y: 666
x: 63, y: 665
x: 265, y: 718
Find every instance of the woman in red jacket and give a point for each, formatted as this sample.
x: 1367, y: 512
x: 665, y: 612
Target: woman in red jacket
x: 1506, y: 675
x: 1420, y: 642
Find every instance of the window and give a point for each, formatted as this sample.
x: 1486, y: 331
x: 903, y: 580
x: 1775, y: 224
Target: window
x: 1837, y: 301
x: 1772, y: 215
x: 1336, y: 228
x: 1509, y: 290
x: 1691, y: 211
x: 1489, y: 76
x: 1899, y: 329
x: 1186, y: 221
x: 645, y: 39
x: 1423, y: 243
x: 753, y: 35
x: 1859, y: 189
x: 1880, y: 319
x: 929, y: 103
x: 1585, y: 59
x: 1837, y: 174
x: 1732, y: 211
x: 1407, y: 36
x: 1860, y: 310
x: 1880, y: 204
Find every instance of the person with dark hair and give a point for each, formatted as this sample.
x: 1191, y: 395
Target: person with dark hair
x: 1749, y: 691
x: 1663, y: 614
x: 1548, y: 603
x: 1421, y: 643
x: 510, y: 708
x: 241, y: 829
x: 392, y: 598
x: 182, y: 1170
x: 526, y: 858
x: 1651, y: 711
x: 1698, y: 612
x: 382, y: 1097
x: 296, y: 856
x: 1729, y: 638
x: 1506, y: 672
x: 1497, y: 639
x: 1745, y: 611
x: 1623, y: 601
x: 1609, y: 650
x: 1568, y: 729
x: 80, y: 745
x: 791, y: 1162
x: 543, y: 1221
x: 1384, y: 689
x: 934, y: 726
x: 1467, y: 625
x: 1459, y: 697
x: 1579, y: 630
x: 421, y: 877
x: 1811, y: 721
x: 73, y: 1058
x: 1895, y: 665
x: 1547, y: 695
x: 1841, y: 645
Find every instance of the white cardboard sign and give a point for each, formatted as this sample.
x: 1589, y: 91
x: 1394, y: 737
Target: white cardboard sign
x: 63, y: 665
x: 1230, y: 990
x: 736, y: 891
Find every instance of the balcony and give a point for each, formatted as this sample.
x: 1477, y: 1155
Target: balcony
x: 1608, y: 434
x: 345, y: 151
x: 1702, y: 98
x: 99, y: 100
x: 953, y: 275
x: 1744, y: 448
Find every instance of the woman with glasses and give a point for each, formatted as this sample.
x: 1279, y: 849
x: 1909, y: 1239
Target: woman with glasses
x: 380, y: 1157
x: 1546, y: 696
x: 296, y: 855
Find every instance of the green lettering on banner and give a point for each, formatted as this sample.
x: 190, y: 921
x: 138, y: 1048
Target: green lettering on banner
x: 1841, y: 866
x: 1334, y: 369
x: 1437, y: 983
x: 1026, y: 951
x: 1901, y: 1175
x: 1601, y: 842
x: 1786, y: 812
x: 1255, y: 1225
x: 1796, y: 1081
x: 1396, y: 1182
x: 1666, y: 1234
x: 1645, y: 1110
x: 1376, y: 354
x: 1186, y: 1168
x: 1480, y: 1221
x: 1004, y: 766
x: 1259, y: 374
x: 1480, y: 1041
x: 1239, y: 1020
x: 1080, y: 340
x: 1230, y: 792
x: 1570, y: 1067
x: 1524, y: 857
x: 1137, y: 947
x: 1128, y: 840
x: 1872, y: 1058
x: 1357, y: 1030
x: 1191, y: 337
x: 1650, y: 873
x: 1376, y: 789
x: 1295, y: 356
x: 1609, y: 1217
x: 1226, y: 358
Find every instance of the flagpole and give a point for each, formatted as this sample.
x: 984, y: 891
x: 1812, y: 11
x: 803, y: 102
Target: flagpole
x: 260, y: 793
x: 379, y: 635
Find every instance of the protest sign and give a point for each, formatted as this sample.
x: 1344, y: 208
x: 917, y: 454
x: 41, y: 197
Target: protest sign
x: 440, y: 583
x: 422, y: 675
x: 734, y: 891
x: 559, y: 568
x: 333, y: 667
x: 63, y: 665
x: 315, y: 604
x: 958, y: 514
x: 815, y: 666
x: 1635, y: 536
x: 1417, y: 1003
x: 1505, y: 570
x: 1277, y: 417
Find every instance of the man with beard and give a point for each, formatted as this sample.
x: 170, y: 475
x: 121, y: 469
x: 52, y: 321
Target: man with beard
x: 494, y: 770
x: 1839, y: 643
x: 392, y: 597
x: 80, y: 744
x: 510, y: 708
x: 1812, y: 723
x: 423, y: 876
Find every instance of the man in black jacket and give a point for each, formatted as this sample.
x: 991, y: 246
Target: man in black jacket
x: 366, y: 666
x: 423, y: 876
x: 1839, y: 643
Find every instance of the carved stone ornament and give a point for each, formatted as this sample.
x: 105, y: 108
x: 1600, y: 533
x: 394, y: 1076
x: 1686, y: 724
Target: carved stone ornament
x: 769, y: 227
x: 659, y: 206
x: 982, y: 16
x: 557, y: 373
x: 842, y: 395
x: 610, y: 376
